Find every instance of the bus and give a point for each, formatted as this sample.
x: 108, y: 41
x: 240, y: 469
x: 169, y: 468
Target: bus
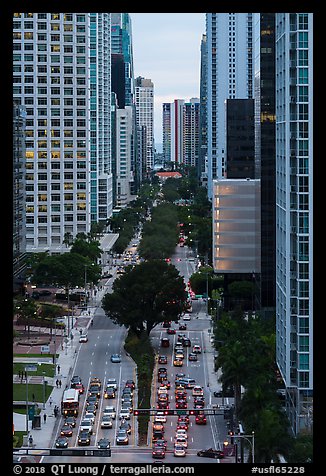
x: 70, y: 402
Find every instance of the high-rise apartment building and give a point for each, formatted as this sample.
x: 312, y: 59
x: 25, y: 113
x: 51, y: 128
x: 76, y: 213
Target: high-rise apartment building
x: 166, y: 122
x: 203, y: 109
x: 123, y: 154
x: 229, y: 76
x: 191, y: 113
x: 145, y: 115
x: 294, y: 213
x: 61, y: 74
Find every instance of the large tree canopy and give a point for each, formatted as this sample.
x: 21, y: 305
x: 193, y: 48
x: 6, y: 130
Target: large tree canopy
x: 145, y: 296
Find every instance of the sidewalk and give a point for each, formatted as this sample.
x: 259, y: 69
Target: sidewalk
x: 44, y: 436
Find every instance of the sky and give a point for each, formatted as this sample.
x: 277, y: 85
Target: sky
x: 166, y: 49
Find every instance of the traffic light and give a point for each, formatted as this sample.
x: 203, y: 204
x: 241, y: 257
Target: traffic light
x: 231, y: 434
x: 141, y: 412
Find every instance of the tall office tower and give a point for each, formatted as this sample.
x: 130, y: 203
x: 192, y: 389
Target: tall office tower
x: 19, y: 217
x: 166, y: 132
x: 114, y: 108
x: 203, y: 108
x: 265, y: 161
x: 294, y: 213
x: 121, y: 44
x: 240, y: 139
x: 145, y: 115
x: 118, y: 80
x: 61, y: 74
x: 191, y: 113
x: 177, y: 130
x: 123, y: 154
x: 229, y: 46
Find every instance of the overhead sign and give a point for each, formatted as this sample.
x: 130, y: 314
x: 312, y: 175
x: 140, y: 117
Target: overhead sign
x: 45, y: 349
x: 31, y: 368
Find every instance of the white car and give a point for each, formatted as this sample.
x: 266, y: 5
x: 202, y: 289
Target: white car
x: 196, y: 349
x: 86, y: 425
x: 181, y: 432
x: 124, y: 414
x: 162, y: 389
x: 83, y: 338
x: 179, y: 450
x: 159, y: 416
x: 89, y: 416
x: 181, y: 440
x: 106, y: 422
x: 111, y: 382
x: 187, y: 317
x: 110, y: 411
x: 197, y: 391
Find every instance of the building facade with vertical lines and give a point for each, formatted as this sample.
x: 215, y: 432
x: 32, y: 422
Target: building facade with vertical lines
x: 62, y: 75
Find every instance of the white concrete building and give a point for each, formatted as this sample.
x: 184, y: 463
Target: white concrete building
x: 294, y: 213
x: 123, y: 156
x: 144, y: 89
x: 62, y: 75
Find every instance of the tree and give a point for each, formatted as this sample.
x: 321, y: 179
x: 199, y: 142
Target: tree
x: 90, y: 249
x: 145, y: 296
x: 26, y: 309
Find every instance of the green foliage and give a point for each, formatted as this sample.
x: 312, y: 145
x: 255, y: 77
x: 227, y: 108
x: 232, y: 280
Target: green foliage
x: 241, y: 289
x: 90, y: 250
x: 301, y: 450
x: 145, y: 296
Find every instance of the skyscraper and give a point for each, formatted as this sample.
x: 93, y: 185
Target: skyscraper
x: 229, y: 76
x: 166, y: 122
x: 145, y: 115
x: 61, y: 74
x: 203, y: 108
x: 191, y: 132
x: 265, y: 160
x: 294, y: 213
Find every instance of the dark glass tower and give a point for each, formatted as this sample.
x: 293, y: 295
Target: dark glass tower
x: 264, y: 87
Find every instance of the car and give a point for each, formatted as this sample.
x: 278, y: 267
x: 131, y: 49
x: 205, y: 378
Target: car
x: 61, y: 442
x: 180, y: 393
x: 192, y: 357
x: 199, y: 404
x: 83, y: 338
x: 197, y: 391
x: 211, y: 453
x: 66, y: 430
x: 115, y: 358
x: 179, y: 354
x: 70, y: 420
x: 84, y: 438
x: 179, y: 375
x: 127, y: 393
x: 161, y: 442
x: 179, y: 450
x: 160, y: 416
x: 110, y: 411
x: 200, y: 420
x: 165, y: 342
x: 186, y: 342
x: 181, y: 440
x: 80, y: 387
x: 94, y: 390
x: 178, y: 362
x: 158, y: 425
x: 186, y: 317
x: 162, y: 370
x: 166, y: 324
x: 181, y: 404
x: 125, y: 425
x: 182, y: 336
x: 162, y: 389
x: 91, y: 408
x: 89, y: 416
x: 181, y: 432
x: 103, y: 443
x: 75, y: 379
x: 124, y: 414
x: 184, y: 418
x: 130, y: 384
x: 96, y: 381
x: 182, y: 425
x: 158, y: 452
x: 92, y: 400
x: 163, y: 397
x: 106, y: 422
x: 171, y: 331
x: 157, y: 435
x: 162, y: 405
x: 162, y: 359
x: 86, y: 425
x: 109, y: 392
x: 122, y: 438
x: 196, y: 349
x: 111, y: 382
x: 183, y: 327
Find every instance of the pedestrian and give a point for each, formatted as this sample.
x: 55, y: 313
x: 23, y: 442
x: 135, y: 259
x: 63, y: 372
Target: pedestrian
x: 33, y: 397
x: 58, y: 369
x: 50, y: 401
x: 30, y: 439
x: 55, y: 411
x: 60, y: 383
x: 44, y: 417
x: 57, y: 383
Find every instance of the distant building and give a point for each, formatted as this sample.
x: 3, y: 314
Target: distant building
x: 203, y: 109
x: 165, y: 175
x: 145, y: 116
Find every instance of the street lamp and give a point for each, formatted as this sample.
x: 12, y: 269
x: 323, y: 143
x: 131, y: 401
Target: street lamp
x: 252, y: 444
x: 43, y: 390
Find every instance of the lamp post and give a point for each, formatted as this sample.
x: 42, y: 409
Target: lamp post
x: 43, y: 390
x: 27, y: 407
